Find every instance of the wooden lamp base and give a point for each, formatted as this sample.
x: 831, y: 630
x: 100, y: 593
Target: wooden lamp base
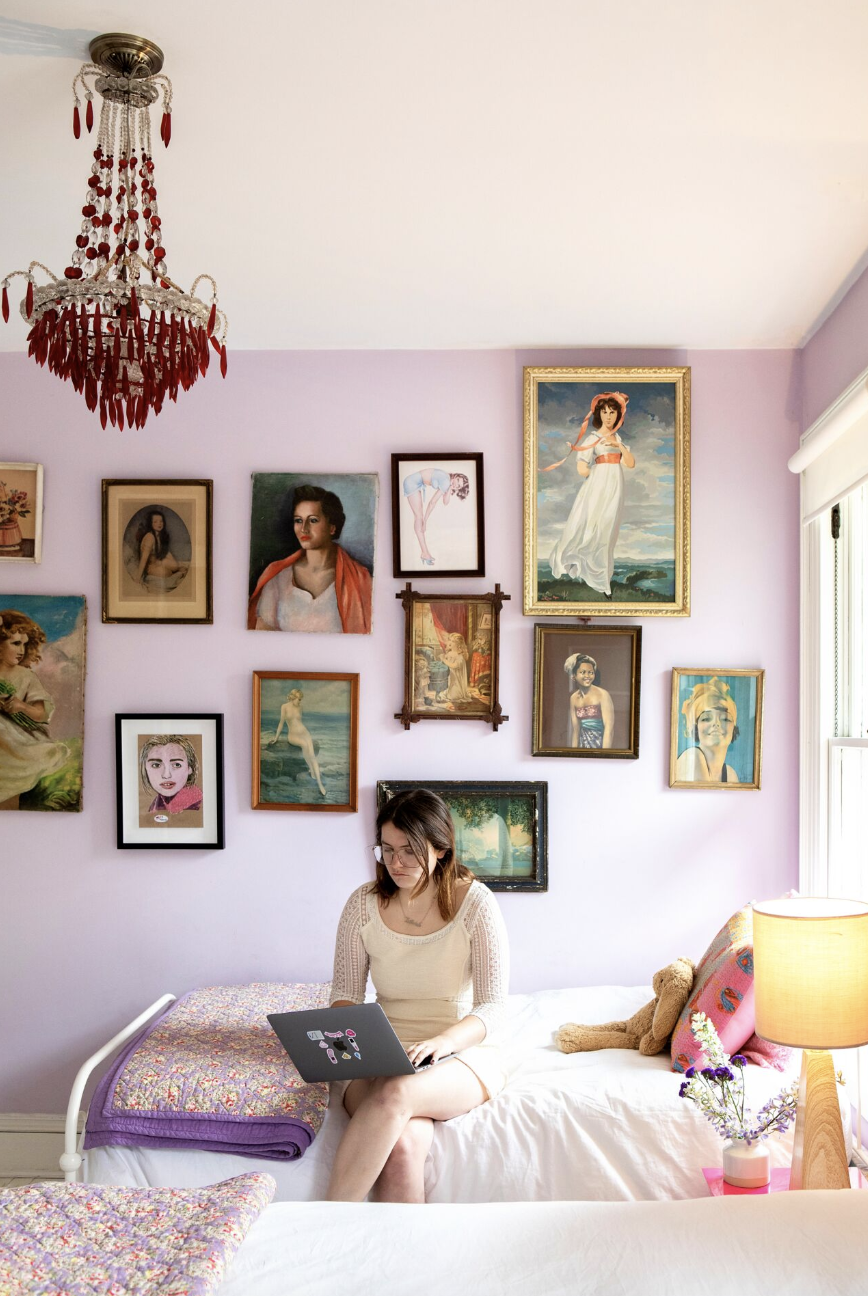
x: 819, y: 1154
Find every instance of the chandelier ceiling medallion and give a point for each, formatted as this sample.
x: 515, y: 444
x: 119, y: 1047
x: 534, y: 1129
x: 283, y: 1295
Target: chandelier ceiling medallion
x: 116, y: 325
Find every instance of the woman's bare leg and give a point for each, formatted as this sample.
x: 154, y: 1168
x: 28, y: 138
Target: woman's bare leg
x: 307, y: 751
x: 380, y: 1115
x: 402, y: 1178
x: 415, y: 502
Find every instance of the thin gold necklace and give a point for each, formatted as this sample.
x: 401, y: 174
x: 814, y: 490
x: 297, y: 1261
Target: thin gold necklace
x: 411, y: 922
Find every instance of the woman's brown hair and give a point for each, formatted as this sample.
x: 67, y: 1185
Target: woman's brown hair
x: 425, y: 819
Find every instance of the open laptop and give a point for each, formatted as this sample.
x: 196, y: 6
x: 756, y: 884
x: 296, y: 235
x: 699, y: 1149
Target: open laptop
x: 343, y: 1043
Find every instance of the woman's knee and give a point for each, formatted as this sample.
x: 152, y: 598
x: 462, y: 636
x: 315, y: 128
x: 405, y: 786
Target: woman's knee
x: 392, y: 1094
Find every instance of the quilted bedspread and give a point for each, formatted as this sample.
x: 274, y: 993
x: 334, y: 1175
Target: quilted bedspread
x: 83, y: 1240
x: 210, y: 1073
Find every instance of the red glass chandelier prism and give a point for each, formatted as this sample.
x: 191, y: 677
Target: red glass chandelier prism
x: 116, y: 325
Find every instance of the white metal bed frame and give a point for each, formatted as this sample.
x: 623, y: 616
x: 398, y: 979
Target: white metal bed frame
x: 72, y: 1158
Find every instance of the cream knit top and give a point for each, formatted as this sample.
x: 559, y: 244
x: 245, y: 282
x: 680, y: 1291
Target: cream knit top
x: 425, y: 983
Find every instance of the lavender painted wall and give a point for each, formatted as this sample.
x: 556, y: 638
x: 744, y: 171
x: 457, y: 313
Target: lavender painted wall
x: 638, y: 873
x: 836, y: 354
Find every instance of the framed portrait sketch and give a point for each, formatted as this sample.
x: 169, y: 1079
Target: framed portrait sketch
x: 607, y: 491
x: 170, y: 781
x: 438, y: 515
x: 42, y: 647
x: 156, y: 552
x: 21, y: 512
x: 451, y: 657
x: 501, y: 829
x: 586, y: 691
x: 312, y: 539
x: 305, y: 741
x: 716, y: 730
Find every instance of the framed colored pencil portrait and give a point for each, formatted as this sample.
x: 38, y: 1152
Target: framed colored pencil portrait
x: 21, y: 512
x: 586, y: 691
x: 170, y: 781
x: 305, y: 741
x: 438, y: 515
x: 607, y: 491
x: 716, y: 728
x: 501, y: 829
x: 451, y: 657
x: 156, y: 551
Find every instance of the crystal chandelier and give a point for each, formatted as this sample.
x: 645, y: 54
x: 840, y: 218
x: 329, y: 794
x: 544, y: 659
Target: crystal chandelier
x: 116, y: 325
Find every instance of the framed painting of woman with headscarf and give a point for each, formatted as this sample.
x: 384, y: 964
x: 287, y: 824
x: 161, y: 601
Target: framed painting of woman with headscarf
x: 586, y: 691
x: 716, y: 739
x: 607, y: 491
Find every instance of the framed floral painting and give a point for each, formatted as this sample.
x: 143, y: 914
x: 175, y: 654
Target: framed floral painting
x: 451, y: 657
x: 169, y: 781
x: 21, y: 512
x: 438, y: 515
x: 156, y: 551
x: 607, y: 491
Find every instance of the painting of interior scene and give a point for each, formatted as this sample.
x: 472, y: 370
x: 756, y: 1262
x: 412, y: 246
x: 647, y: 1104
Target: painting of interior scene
x: 452, y: 651
x: 42, y: 646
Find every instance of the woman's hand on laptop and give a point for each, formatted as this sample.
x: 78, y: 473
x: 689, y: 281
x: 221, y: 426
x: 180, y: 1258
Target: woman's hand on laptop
x: 430, y: 1050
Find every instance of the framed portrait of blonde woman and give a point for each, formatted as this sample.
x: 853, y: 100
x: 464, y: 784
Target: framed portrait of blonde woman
x: 607, y: 491
x: 305, y: 741
x: 716, y: 731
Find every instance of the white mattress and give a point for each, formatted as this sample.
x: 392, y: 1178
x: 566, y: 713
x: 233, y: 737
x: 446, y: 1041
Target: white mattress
x: 606, y: 1126
x: 802, y: 1244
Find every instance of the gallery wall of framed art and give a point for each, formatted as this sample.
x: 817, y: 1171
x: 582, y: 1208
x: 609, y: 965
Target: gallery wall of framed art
x: 266, y: 906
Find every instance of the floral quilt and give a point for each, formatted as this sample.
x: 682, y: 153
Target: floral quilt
x: 84, y: 1240
x: 210, y: 1073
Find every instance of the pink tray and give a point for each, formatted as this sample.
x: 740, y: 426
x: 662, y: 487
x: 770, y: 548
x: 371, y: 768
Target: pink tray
x: 780, y: 1182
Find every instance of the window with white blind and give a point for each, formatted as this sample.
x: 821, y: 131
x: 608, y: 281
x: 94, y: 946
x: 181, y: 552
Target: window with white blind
x: 833, y: 465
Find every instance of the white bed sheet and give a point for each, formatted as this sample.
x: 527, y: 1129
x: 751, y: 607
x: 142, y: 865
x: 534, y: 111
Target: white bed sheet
x: 803, y: 1244
x: 605, y: 1126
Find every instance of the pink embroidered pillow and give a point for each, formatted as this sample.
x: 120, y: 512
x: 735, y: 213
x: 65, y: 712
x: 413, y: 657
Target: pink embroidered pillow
x: 765, y: 1054
x: 723, y: 990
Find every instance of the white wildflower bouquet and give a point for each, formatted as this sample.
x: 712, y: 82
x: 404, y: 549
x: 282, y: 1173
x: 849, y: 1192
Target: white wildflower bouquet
x: 718, y: 1091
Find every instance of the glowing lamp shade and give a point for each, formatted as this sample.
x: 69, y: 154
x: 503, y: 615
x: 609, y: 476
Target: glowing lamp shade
x: 811, y: 972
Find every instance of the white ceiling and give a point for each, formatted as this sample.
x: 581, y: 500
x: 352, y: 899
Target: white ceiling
x: 474, y: 173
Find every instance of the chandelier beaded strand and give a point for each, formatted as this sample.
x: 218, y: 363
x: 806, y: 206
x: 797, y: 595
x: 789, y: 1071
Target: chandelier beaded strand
x: 116, y: 325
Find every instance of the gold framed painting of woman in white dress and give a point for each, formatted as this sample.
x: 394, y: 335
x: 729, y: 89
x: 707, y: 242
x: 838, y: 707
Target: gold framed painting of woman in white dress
x: 607, y: 491
x: 305, y: 741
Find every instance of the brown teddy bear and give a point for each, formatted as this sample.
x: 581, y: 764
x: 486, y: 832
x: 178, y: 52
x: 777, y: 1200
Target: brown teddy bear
x: 649, y: 1029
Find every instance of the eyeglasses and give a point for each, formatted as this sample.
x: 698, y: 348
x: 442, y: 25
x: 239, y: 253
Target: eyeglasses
x: 387, y: 855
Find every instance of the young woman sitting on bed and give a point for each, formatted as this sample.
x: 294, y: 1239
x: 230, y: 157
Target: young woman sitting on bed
x: 434, y: 942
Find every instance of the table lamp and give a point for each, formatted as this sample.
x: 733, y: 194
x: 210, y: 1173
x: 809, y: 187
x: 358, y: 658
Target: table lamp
x: 811, y: 992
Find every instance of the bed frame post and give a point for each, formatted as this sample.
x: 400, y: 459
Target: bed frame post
x: 70, y: 1161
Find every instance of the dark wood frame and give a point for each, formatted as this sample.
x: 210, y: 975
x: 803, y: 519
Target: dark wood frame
x: 387, y: 788
x: 544, y: 632
x: 208, y: 618
x: 399, y: 571
x: 219, y: 842
x: 353, y: 680
x: 409, y: 598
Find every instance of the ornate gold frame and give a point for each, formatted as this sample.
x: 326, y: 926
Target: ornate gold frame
x: 722, y: 672
x: 680, y: 377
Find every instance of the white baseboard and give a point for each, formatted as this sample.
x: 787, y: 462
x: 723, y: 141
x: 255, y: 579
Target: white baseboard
x: 31, y: 1145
